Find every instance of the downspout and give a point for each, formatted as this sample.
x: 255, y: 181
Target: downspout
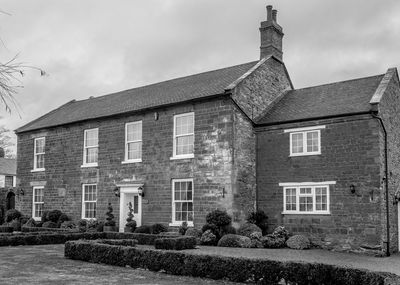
x: 374, y: 114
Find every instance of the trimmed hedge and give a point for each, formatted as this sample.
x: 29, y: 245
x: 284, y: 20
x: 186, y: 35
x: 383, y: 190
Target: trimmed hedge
x: 235, y: 269
x: 120, y: 242
x: 178, y: 243
x: 42, y: 229
x: 6, y: 229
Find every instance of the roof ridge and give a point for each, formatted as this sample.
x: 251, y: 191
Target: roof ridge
x: 48, y: 113
x: 337, y: 82
x: 168, y: 80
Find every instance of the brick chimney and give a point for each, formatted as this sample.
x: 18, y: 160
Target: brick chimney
x: 271, y: 35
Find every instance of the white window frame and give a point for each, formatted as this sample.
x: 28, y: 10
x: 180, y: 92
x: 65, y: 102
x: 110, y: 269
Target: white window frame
x: 182, y: 156
x: 134, y: 141
x: 174, y: 222
x: 93, y: 164
x: 90, y: 201
x: 36, y: 154
x: 304, y: 131
x: 313, y: 186
x: 36, y: 203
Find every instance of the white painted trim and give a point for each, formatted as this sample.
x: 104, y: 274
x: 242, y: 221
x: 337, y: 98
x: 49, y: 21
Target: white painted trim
x: 129, y: 189
x: 38, y: 170
x: 93, y: 164
x: 83, y: 201
x: 178, y: 224
x: 129, y: 185
x: 33, y: 202
x: 189, y: 155
x: 126, y: 142
x: 294, y: 184
x: 304, y: 129
x: 174, y: 222
x: 131, y: 161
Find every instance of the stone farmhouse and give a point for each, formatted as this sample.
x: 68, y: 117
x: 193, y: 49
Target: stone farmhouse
x: 322, y: 161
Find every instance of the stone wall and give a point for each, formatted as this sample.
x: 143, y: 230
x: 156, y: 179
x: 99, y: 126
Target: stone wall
x: 211, y: 168
x: 350, y: 149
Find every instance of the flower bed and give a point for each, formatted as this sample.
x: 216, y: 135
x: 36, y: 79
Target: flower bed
x: 218, y: 267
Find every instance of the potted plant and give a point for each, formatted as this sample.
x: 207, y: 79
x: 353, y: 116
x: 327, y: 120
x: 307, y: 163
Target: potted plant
x: 130, y: 222
x: 109, y: 225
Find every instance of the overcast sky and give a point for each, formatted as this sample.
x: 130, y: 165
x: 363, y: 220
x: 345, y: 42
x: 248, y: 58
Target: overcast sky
x: 95, y: 47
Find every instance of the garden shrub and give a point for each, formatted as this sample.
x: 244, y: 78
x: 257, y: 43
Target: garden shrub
x: 235, y: 269
x: 218, y: 218
x: 82, y: 225
x: 178, y: 243
x: 271, y: 241
x: 231, y: 240
x: 110, y: 222
x: 213, y: 228
x: 16, y: 225
x: 6, y: 229
x: 26, y: 229
x: 148, y: 239
x: 260, y: 219
x: 208, y: 238
x: 192, y: 232
x: 45, y: 217
x: 63, y: 218
x: 256, y: 240
x: 281, y: 232
x: 68, y: 225
x: 130, y: 222
x: 132, y: 225
x: 183, y: 228
x: 229, y: 229
x: 298, y: 242
x: 54, y: 215
x: 169, y: 234
x: 49, y: 224
x: 94, y: 226
x: 12, y: 214
x: 119, y: 242
x: 158, y: 228
x: 1, y: 214
x: 247, y: 229
x: 143, y: 229
x: 30, y: 223
x: 24, y: 219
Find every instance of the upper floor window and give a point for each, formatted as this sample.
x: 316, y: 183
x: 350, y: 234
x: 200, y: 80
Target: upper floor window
x: 133, y: 142
x: 89, y: 201
x: 305, y: 141
x: 91, y: 147
x: 38, y: 202
x: 183, y: 136
x: 306, y: 198
x: 38, y: 156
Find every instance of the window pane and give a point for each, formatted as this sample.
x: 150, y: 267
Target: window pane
x: 39, y: 145
x: 305, y: 204
x: 8, y: 181
x: 134, y: 132
x: 305, y: 190
x: 184, y: 145
x: 184, y: 125
x: 291, y: 199
x: 297, y: 143
x: 91, y: 155
x: 135, y: 204
x: 91, y: 137
x: 312, y: 141
x: 321, y: 199
x: 135, y: 150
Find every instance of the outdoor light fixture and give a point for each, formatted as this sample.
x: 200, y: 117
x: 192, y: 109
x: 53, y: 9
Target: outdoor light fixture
x: 116, y: 191
x: 140, y: 191
x: 352, y: 189
x: 20, y: 191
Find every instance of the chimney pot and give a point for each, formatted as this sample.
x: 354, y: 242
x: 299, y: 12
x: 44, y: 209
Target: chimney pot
x: 274, y: 13
x: 269, y: 13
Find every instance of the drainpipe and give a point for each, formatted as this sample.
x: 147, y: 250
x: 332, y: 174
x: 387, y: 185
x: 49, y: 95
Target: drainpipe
x: 374, y: 114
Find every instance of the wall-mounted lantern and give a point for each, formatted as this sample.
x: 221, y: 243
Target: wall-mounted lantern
x: 352, y: 189
x: 116, y: 191
x: 140, y: 191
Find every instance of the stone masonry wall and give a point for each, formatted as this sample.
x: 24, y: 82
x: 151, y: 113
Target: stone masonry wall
x: 350, y: 149
x: 260, y: 88
x: 211, y: 168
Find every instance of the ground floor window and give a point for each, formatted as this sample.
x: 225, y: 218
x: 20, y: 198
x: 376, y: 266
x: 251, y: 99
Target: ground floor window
x: 38, y: 202
x: 89, y: 201
x: 306, y: 199
x: 182, y: 201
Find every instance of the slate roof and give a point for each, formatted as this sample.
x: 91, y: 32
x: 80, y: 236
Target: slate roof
x: 8, y: 166
x: 330, y: 99
x: 154, y: 95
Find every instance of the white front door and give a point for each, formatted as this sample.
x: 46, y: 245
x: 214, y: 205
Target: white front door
x: 128, y: 195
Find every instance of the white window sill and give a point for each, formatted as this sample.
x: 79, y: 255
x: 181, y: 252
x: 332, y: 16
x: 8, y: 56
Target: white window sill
x: 38, y: 170
x: 178, y: 224
x: 186, y: 156
x: 89, y: 219
x: 89, y: 165
x: 37, y: 219
x: 131, y: 161
x: 304, y: 154
x: 306, y: 213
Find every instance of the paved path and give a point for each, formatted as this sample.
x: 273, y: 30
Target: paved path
x: 45, y: 264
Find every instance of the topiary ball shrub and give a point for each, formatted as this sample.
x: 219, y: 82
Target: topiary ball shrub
x: 30, y: 223
x: 247, y: 229
x: 54, y: 215
x: 229, y: 229
x: 256, y: 240
x: 15, y: 224
x: 82, y: 225
x: 213, y: 228
x: 63, y: 218
x: 259, y: 218
x: 49, y: 224
x: 281, y: 232
x: 158, y: 228
x: 68, y: 225
x: 208, y: 238
x: 183, y: 228
x: 132, y: 225
x: 271, y: 241
x: 192, y: 232
x: 143, y: 230
x: 298, y: 242
x: 218, y: 218
x: 13, y: 214
x: 231, y: 240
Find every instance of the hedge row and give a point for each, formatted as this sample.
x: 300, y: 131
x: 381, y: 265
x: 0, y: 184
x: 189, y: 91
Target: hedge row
x: 36, y: 238
x: 217, y: 267
x: 175, y: 243
x: 41, y: 229
x: 6, y: 229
